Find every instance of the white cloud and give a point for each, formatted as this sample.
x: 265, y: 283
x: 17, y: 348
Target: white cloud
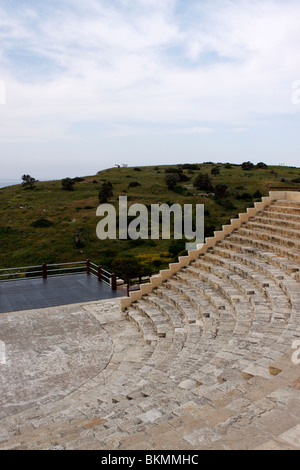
x: 232, y: 62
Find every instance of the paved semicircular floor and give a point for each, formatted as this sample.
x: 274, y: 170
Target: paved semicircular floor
x: 49, y: 353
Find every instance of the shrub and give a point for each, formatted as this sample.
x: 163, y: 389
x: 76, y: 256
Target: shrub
x: 133, y: 184
x: 209, y: 230
x: 247, y: 166
x: 68, y: 184
x: 257, y: 194
x: 184, y: 178
x: 261, y: 165
x: 215, y: 170
x: 78, y: 179
x: 176, y: 247
x: 203, y: 182
x: 173, y: 170
x: 157, y: 263
x: 244, y: 197
x: 127, y: 267
x: 221, y: 191
x: 190, y: 166
x: 41, y: 223
x: 28, y: 181
x: 105, y: 192
x: 172, y: 179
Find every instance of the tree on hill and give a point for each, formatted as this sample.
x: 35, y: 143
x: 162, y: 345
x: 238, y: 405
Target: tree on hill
x: 247, y: 166
x: 172, y: 179
x: 127, y: 267
x: 203, y: 182
x: 215, y: 170
x: 261, y: 165
x: 28, y: 181
x: 221, y: 191
x: 68, y: 184
x: 105, y: 192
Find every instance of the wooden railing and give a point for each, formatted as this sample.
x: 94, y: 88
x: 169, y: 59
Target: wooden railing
x: 60, y: 269
x: 134, y: 283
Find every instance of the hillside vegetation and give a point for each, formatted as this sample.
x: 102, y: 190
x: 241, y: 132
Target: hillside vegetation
x: 51, y: 222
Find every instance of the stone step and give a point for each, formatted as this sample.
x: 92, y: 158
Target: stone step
x: 269, y: 213
x: 264, y: 235
x: 232, y: 307
x: 283, y: 231
x: 250, y: 270
x: 161, y: 324
x: 286, y: 203
x: 279, y: 221
x: 144, y: 325
x: 248, y: 240
x: 270, y: 318
x: 182, y: 304
x: 282, y: 211
x: 281, y: 264
x: 174, y: 315
x: 279, y: 270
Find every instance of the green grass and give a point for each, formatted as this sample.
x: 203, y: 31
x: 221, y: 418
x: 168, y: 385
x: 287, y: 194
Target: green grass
x: 74, y: 212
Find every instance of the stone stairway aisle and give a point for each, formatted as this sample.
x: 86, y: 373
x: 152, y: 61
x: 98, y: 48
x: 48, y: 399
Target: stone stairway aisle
x: 204, y: 361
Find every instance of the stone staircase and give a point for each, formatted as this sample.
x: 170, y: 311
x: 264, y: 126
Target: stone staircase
x: 203, y: 361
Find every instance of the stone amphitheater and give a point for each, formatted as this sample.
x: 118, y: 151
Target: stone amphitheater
x: 204, y: 357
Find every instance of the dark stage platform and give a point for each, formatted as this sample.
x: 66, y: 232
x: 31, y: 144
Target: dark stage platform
x: 31, y: 294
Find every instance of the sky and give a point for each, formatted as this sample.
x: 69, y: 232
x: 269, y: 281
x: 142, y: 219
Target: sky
x: 89, y: 84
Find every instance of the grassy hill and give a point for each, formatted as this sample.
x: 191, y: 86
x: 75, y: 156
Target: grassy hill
x: 50, y: 224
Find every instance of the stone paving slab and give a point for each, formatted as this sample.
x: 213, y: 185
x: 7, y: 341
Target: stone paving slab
x: 49, y: 353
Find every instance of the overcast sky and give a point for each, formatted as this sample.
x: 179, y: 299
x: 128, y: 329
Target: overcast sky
x: 93, y: 83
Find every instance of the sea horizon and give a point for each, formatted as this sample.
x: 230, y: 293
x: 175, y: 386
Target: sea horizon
x: 9, y: 182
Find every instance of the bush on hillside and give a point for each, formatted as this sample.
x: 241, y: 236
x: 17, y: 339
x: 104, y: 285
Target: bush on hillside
x: 247, y: 166
x: 172, y: 179
x: 261, y: 165
x: 215, y: 170
x: 105, y: 192
x: 68, y: 184
x: 203, y: 182
x: 41, y: 223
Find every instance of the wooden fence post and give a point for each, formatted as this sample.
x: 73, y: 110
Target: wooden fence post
x: 99, y: 273
x: 44, y: 269
x: 88, y: 266
x: 113, y: 281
